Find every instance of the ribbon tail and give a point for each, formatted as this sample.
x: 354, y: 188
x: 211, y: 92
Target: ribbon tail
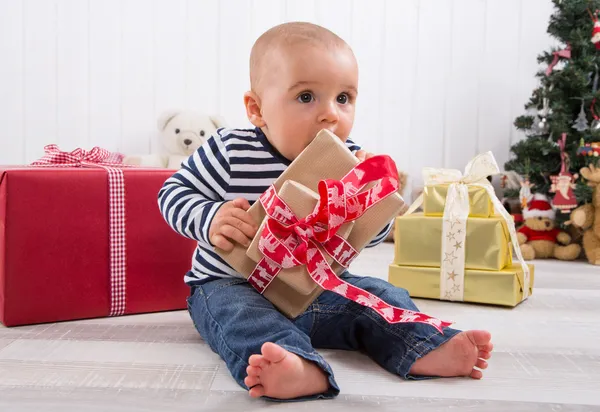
x: 454, y: 228
x: 513, y: 238
x: 263, y: 274
x: 325, y: 277
x: 551, y: 65
x: 415, y: 205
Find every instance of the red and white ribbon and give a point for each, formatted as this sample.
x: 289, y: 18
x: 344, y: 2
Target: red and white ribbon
x: 287, y: 241
x: 112, y: 163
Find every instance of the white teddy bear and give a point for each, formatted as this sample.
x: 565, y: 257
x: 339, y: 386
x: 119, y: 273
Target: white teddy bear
x: 181, y: 134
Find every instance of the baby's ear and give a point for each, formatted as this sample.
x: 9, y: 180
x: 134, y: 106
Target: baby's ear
x: 253, y: 109
x: 165, y: 118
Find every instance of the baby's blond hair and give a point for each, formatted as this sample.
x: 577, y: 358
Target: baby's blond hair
x: 285, y: 36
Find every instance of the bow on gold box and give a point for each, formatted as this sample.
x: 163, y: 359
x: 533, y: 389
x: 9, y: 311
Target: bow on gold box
x: 315, y: 218
x: 463, y: 234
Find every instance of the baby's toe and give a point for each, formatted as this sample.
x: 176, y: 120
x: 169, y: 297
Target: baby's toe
x: 484, y: 354
x: 257, y: 391
x: 481, y: 364
x: 251, y: 381
x: 258, y: 360
x: 253, y: 371
x: 476, y: 374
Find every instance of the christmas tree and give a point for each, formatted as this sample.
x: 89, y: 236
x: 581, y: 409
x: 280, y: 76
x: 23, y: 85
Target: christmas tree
x: 564, y: 111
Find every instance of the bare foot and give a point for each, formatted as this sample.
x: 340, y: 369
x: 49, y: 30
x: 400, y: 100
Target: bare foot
x: 457, y: 357
x: 280, y: 374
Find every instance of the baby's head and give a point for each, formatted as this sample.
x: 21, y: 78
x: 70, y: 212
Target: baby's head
x: 303, y: 78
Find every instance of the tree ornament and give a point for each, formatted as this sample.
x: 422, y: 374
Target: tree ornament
x: 581, y: 123
x: 542, y: 126
x: 564, y: 183
x: 596, y: 122
x: 564, y: 53
x: 593, y: 78
x: 588, y: 149
x: 596, y: 30
x: 525, y: 193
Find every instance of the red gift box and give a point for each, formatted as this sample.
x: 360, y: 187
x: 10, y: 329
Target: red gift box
x: 55, y: 246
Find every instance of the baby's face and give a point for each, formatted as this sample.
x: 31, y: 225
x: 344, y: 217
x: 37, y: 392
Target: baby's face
x: 308, y: 89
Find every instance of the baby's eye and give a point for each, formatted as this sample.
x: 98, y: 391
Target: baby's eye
x: 343, y: 98
x: 305, y: 98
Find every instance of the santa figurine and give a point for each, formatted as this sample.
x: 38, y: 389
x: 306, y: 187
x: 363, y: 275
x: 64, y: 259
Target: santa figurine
x: 563, y: 185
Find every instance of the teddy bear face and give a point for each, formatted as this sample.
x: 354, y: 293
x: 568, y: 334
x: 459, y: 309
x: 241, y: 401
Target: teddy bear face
x: 540, y: 223
x: 184, y: 134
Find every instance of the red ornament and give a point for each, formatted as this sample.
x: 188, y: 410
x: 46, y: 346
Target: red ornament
x: 596, y: 30
x: 564, y: 183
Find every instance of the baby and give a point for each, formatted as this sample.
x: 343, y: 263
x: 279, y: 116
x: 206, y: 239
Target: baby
x: 303, y: 79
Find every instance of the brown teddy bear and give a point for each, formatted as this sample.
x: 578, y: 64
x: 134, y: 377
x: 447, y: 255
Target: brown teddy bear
x: 539, y: 238
x: 587, y: 217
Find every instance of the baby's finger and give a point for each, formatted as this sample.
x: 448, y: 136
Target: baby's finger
x: 235, y: 234
x: 243, y: 221
x: 241, y: 203
x: 222, y: 243
x: 361, y: 155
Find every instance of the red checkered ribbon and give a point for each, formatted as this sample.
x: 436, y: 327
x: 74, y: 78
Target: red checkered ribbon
x: 111, y: 162
x: 287, y: 241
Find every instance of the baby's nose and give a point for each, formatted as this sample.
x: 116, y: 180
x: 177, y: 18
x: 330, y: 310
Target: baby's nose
x: 329, y: 114
x: 187, y: 142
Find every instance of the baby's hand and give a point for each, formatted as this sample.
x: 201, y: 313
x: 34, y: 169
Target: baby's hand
x: 363, y: 155
x: 232, y: 223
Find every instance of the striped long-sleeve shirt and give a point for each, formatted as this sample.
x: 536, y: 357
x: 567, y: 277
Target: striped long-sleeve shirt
x: 233, y: 163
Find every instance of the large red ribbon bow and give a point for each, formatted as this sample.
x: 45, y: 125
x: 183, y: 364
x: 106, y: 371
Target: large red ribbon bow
x: 287, y: 241
x: 111, y: 162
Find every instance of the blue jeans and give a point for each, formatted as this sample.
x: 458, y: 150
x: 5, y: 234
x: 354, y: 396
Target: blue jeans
x: 235, y: 321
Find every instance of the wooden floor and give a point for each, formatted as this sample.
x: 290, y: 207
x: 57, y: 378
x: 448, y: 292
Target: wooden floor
x: 547, y: 358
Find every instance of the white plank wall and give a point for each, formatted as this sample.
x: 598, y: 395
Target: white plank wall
x: 440, y: 80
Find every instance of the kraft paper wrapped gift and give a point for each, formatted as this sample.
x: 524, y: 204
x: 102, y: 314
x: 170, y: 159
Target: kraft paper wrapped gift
x: 503, y: 287
x: 327, y: 157
x: 434, y: 201
x: 302, y: 202
x: 418, y: 242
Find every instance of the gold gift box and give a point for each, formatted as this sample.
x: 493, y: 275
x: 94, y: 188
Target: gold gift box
x: 434, y: 200
x: 418, y: 242
x: 503, y: 287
